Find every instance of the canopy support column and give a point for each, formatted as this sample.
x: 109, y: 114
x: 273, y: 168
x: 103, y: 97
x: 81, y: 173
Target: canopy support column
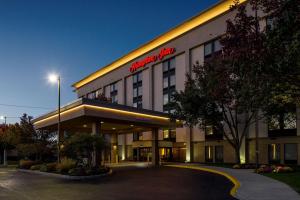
x: 97, y: 158
x: 155, y: 150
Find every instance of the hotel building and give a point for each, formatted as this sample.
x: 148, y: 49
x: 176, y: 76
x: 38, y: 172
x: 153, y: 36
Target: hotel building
x: 140, y: 84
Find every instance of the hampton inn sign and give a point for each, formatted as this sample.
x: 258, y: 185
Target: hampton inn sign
x: 153, y: 58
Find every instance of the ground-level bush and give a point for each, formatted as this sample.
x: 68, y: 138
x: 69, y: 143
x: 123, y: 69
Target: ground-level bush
x: 274, y: 169
x: 26, y: 164
x: 48, y: 167
x: 35, y: 167
x: 243, y: 166
x: 80, y: 171
x: 65, y: 165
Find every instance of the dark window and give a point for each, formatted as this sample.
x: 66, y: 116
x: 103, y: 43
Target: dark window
x: 270, y: 22
x: 219, y: 153
x: 290, y: 153
x: 209, y: 153
x: 283, y: 123
x: 169, y: 83
x: 91, y: 95
x: 114, y: 92
x: 212, y: 47
x: 137, y: 136
x: 137, y: 90
x: 212, y: 134
x: 274, y: 153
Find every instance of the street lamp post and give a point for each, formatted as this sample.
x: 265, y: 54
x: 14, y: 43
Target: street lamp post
x: 4, y: 150
x: 56, y: 78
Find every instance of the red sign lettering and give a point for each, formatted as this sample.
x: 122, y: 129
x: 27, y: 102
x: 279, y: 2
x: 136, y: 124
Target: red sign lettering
x: 164, y: 52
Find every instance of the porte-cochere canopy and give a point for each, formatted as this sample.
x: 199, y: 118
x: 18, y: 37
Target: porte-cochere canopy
x: 81, y: 114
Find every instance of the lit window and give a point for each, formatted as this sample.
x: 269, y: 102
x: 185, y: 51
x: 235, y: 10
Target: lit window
x: 209, y: 153
x: 166, y: 134
x: 209, y: 130
x: 274, y: 153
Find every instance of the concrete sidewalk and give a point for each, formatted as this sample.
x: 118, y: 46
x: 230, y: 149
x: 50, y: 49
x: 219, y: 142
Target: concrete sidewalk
x: 254, y: 186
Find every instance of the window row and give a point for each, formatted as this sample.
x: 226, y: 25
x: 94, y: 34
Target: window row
x: 290, y: 153
x: 212, y: 47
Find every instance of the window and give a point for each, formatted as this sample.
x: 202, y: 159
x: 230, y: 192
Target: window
x: 208, y: 49
x: 137, y: 136
x: 169, y: 83
x: 98, y: 93
x: 114, y: 93
x: 274, y: 153
x: 172, y: 80
x: 209, y: 130
x: 290, y: 154
x: 270, y: 22
x: 166, y: 134
x: 208, y: 153
x: 166, y: 99
x: 219, y: 153
x: 91, y: 95
x: 211, y: 47
x: 169, y: 134
x: 283, y: 123
x: 137, y: 90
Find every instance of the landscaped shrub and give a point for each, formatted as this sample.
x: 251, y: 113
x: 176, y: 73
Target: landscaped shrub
x: 26, y: 164
x: 236, y: 166
x: 274, y: 168
x: 282, y: 169
x: 79, y: 171
x: 48, y: 167
x: 65, y: 165
x: 35, y: 167
x: 97, y: 170
x: 243, y: 166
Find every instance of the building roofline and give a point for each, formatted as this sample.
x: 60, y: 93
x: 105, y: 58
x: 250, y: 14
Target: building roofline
x: 97, y: 103
x: 204, y: 16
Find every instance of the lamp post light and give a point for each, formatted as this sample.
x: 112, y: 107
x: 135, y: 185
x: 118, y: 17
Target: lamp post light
x: 54, y: 78
x: 3, y: 118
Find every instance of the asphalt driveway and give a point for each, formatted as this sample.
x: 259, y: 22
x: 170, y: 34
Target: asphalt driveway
x: 125, y: 184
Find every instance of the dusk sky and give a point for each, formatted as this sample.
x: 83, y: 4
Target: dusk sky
x: 73, y: 38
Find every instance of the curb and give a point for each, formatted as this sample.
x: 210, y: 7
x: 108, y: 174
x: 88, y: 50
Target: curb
x: 236, y: 183
x: 66, y: 177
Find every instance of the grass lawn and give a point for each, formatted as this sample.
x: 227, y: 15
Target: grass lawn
x: 292, y: 179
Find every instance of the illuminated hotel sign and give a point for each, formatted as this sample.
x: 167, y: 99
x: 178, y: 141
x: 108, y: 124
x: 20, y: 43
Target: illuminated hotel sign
x: 149, y: 59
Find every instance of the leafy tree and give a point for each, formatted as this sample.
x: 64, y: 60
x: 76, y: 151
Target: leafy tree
x: 83, y: 145
x: 8, y: 139
x: 227, y: 90
x: 37, y: 145
x: 282, y: 55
